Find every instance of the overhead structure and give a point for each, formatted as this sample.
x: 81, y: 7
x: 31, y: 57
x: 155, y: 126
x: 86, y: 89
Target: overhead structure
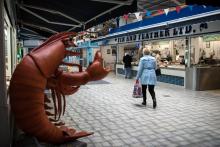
x: 46, y: 17
x: 155, y: 5
x: 214, y: 3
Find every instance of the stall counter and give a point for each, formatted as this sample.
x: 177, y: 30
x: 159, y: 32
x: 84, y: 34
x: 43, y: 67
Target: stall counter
x: 173, y: 74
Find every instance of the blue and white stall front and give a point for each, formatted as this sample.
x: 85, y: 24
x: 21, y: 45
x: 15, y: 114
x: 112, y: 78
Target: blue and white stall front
x: 187, y: 44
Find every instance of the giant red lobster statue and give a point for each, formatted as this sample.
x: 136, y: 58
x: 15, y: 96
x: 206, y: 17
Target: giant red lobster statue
x: 39, y: 70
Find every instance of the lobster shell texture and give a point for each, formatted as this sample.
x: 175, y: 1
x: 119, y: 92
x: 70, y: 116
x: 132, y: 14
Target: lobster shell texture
x: 31, y: 78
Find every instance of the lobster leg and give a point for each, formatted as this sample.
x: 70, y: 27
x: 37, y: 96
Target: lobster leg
x: 46, y: 99
x: 64, y: 104
x: 59, y: 104
x: 47, y: 107
x: 49, y: 113
x: 54, y: 102
x: 59, y: 123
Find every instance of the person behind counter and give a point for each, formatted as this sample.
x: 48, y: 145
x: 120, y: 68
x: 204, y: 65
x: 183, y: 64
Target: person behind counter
x: 146, y: 74
x: 127, y: 59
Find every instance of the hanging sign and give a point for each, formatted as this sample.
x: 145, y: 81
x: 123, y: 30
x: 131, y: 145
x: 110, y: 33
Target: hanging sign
x: 172, y: 32
x: 187, y: 30
x: 178, y: 8
x: 138, y: 15
x: 166, y: 11
x: 148, y: 13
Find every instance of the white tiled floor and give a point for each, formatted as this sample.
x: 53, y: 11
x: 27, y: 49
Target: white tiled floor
x: 182, y: 118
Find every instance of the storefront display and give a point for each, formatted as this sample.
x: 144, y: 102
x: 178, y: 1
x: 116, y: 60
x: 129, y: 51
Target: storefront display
x: 181, y: 47
x: 170, y: 53
x: 133, y: 49
x: 205, y: 50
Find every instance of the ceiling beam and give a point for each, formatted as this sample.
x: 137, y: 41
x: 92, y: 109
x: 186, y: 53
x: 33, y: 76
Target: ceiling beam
x: 128, y: 2
x: 158, y: 5
x: 28, y: 34
x: 24, y: 28
x: 176, y: 2
x: 103, y: 13
x: 44, y: 19
x: 71, y: 29
x: 53, y: 12
x: 39, y: 27
x: 32, y: 36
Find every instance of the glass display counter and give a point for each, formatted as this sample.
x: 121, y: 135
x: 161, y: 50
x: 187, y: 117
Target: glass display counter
x: 203, y: 72
x: 173, y: 74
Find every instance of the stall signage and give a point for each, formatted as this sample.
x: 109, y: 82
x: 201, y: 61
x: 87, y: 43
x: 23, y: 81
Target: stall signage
x: 166, y: 33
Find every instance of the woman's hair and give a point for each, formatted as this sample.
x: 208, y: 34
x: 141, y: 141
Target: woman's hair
x: 146, y: 51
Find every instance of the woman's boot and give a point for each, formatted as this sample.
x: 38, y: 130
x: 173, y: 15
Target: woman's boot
x: 144, y: 101
x: 154, y: 103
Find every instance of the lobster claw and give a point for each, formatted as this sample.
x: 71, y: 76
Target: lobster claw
x: 96, y: 70
x: 68, y: 89
x: 71, y: 133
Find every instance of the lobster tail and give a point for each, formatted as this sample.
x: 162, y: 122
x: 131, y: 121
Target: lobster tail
x: 27, y: 101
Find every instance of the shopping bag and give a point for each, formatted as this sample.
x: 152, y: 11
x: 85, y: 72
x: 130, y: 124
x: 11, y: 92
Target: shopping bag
x: 137, y: 91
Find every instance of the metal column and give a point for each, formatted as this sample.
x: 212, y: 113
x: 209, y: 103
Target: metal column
x: 4, y: 110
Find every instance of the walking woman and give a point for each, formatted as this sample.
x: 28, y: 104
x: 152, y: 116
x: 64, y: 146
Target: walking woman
x: 146, y: 74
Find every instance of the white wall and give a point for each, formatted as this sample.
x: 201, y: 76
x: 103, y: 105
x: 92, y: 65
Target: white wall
x: 14, y: 49
x: 8, y: 50
x: 120, y: 53
x: 109, y: 60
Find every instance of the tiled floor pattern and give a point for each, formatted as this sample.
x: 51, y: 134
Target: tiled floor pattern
x: 183, y: 117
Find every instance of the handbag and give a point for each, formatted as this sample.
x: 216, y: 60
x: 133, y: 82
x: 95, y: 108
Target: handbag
x: 158, y: 72
x: 137, y: 91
